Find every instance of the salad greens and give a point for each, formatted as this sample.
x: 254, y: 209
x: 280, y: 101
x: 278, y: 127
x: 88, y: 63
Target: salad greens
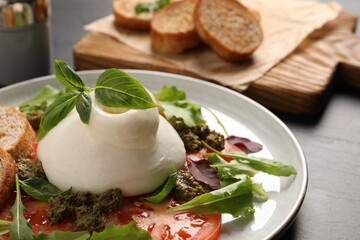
x: 4, y: 226
x: 147, y: 6
x: 114, y: 88
x: 41, y: 189
x: 20, y: 229
x: 235, y: 199
x: 164, y: 189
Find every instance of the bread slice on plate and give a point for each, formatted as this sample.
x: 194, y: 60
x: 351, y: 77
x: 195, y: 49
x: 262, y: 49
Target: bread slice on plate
x: 125, y: 15
x: 16, y: 135
x: 7, y: 176
x: 173, y: 28
x: 232, y: 30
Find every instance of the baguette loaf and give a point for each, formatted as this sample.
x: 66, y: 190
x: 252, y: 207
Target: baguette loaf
x: 125, y: 15
x: 16, y: 135
x: 173, y: 28
x: 232, y: 30
x: 7, y: 176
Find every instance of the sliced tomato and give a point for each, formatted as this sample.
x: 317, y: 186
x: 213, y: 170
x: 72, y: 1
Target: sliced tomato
x: 162, y: 226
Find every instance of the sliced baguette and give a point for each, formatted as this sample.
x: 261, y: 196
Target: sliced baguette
x: 16, y: 135
x: 7, y: 176
x: 173, y: 28
x: 125, y: 15
x: 232, y: 30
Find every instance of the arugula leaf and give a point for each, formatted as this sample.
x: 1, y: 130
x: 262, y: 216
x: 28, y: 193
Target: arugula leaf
x: 146, y: 7
x: 67, y: 76
x: 115, y: 88
x: 39, y: 102
x: 41, y: 189
x: 20, y: 229
x: 259, y: 192
x: 165, y: 189
x: 270, y: 166
x: 55, y: 235
x: 125, y: 232
x: 56, y: 112
x: 235, y: 199
x: 170, y: 94
x: 83, y: 106
x: 4, y: 226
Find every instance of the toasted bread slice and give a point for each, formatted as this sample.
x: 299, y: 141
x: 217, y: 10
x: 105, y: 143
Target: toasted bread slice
x: 125, y: 15
x: 173, y: 28
x: 16, y: 135
x: 232, y: 30
x: 7, y: 176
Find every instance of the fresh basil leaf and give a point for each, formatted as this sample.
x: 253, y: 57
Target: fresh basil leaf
x: 118, y: 89
x: 41, y: 189
x: 4, y: 227
x: 56, y: 235
x: 20, y: 228
x: 270, y: 166
x: 121, y: 232
x: 56, y: 112
x: 143, y: 7
x: 235, y: 199
x: 186, y: 112
x: 165, y: 188
x: 83, y: 106
x: 170, y: 94
x: 67, y: 76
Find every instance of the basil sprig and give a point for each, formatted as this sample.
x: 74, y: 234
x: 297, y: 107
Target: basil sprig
x: 164, y: 189
x: 41, y: 189
x: 20, y: 228
x: 114, y: 88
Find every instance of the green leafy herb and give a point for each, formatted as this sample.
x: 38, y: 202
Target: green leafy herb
x: 66, y: 75
x: 41, y: 189
x: 118, y: 89
x: 114, y: 88
x: 270, y: 166
x: 125, y: 232
x: 165, y: 189
x: 40, y: 101
x: 56, y: 112
x: 235, y: 199
x: 217, y: 119
x: 230, y: 172
x: 55, y: 235
x: 4, y: 227
x: 83, y: 106
x: 170, y: 94
x: 20, y: 229
x: 146, y: 7
x: 259, y: 192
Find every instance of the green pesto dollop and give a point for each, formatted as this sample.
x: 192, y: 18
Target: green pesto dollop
x: 34, y: 119
x: 86, y: 207
x: 186, y: 187
x: 29, y: 169
x: 192, y: 136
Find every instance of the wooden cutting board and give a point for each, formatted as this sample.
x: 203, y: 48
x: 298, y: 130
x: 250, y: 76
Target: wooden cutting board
x: 299, y: 84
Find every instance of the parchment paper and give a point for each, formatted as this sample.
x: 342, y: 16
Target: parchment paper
x: 285, y: 23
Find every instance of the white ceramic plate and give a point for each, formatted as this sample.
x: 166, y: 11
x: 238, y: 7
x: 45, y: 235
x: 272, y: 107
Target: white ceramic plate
x: 241, y: 116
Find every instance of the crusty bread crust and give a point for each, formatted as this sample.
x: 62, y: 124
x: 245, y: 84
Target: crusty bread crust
x: 16, y: 134
x: 173, y: 29
x: 232, y: 30
x: 125, y: 15
x: 7, y: 176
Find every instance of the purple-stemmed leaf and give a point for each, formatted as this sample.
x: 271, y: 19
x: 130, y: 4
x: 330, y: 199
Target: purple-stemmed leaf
x: 245, y: 144
x: 202, y: 172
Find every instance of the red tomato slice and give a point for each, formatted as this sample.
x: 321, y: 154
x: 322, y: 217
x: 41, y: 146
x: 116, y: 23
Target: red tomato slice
x: 162, y: 226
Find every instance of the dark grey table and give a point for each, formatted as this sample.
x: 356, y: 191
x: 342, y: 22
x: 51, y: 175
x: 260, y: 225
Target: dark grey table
x: 330, y: 140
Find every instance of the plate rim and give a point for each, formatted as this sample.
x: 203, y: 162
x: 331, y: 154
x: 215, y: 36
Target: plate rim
x: 290, y: 217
